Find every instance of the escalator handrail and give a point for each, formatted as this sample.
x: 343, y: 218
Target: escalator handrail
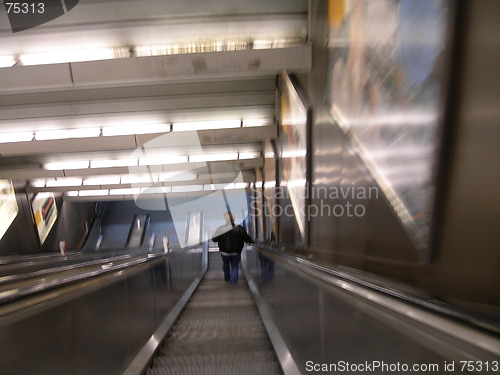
x: 53, y: 261
x: 469, y: 331
x: 31, y: 259
x: 11, y: 292
x: 51, y: 270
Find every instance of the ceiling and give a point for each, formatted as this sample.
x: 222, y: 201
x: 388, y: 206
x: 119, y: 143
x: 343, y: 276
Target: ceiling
x: 177, y: 65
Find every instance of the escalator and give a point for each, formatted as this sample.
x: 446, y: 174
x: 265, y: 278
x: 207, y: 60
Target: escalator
x: 219, y: 332
x: 139, y: 305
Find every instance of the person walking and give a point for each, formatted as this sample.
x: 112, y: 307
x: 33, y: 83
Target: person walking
x: 231, y: 239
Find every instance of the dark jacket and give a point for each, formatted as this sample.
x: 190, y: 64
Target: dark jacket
x: 231, y: 240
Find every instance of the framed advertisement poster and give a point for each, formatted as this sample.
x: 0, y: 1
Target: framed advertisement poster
x: 294, y: 127
x: 386, y: 90
x: 45, y: 213
x: 8, y: 206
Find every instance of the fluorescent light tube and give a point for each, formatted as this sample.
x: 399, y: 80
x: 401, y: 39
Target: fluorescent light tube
x: 38, y: 183
x: 113, y: 163
x: 176, y: 176
x: 139, y: 179
x: 43, y: 135
x: 249, y: 155
x: 80, y: 164
x: 213, y: 157
x: 156, y: 190
x: 102, y: 180
x: 115, y: 130
x: 16, y: 137
x: 91, y: 193
x: 57, y: 57
x: 127, y: 191
x: 7, y: 61
x: 160, y: 160
x: 212, y: 187
x: 251, y: 122
x: 186, y: 188
x: 241, y: 185
x: 206, y: 125
x: 70, y: 181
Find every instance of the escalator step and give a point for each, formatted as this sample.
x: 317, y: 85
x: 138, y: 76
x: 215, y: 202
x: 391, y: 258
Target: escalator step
x: 219, y: 332
x: 219, y: 324
x: 228, y: 369
x: 218, y: 360
x: 217, y: 345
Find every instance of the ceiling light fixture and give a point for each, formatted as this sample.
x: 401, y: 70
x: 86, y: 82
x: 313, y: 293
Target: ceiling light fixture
x: 176, y: 176
x: 7, y: 61
x: 16, y: 137
x: 160, y: 160
x: 89, y: 193
x: 213, y: 157
x: 127, y: 191
x: 113, y: 163
x: 186, y: 188
x: 249, y: 155
x: 115, y: 130
x: 139, y: 179
x: 70, y: 181
x: 156, y: 190
x: 205, y: 125
x: 251, y: 122
x: 102, y: 180
x: 79, y: 164
x: 43, y: 135
x: 57, y: 57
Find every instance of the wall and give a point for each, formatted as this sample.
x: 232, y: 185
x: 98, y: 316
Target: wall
x: 467, y: 260
x: 22, y: 237
x: 464, y: 265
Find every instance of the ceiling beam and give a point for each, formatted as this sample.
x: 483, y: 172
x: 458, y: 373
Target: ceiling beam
x: 157, y: 69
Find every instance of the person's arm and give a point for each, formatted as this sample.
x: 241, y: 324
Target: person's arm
x: 217, y: 235
x: 245, y: 235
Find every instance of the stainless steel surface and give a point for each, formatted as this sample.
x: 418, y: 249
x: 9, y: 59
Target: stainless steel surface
x: 467, y: 233
x: 96, y: 326
x: 144, y: 357
x: 287, y: 362
x: 365, y: 321
x: 23, y: 285
x: 463, y: 269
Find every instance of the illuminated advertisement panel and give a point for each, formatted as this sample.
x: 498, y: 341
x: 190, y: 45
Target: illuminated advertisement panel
x: 45, y: 213
x: 294, y: 117
x: 386, y: 83
x: 8, y: 205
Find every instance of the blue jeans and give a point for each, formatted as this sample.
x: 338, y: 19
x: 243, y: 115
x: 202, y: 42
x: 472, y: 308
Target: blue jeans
x: 230, y: 266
